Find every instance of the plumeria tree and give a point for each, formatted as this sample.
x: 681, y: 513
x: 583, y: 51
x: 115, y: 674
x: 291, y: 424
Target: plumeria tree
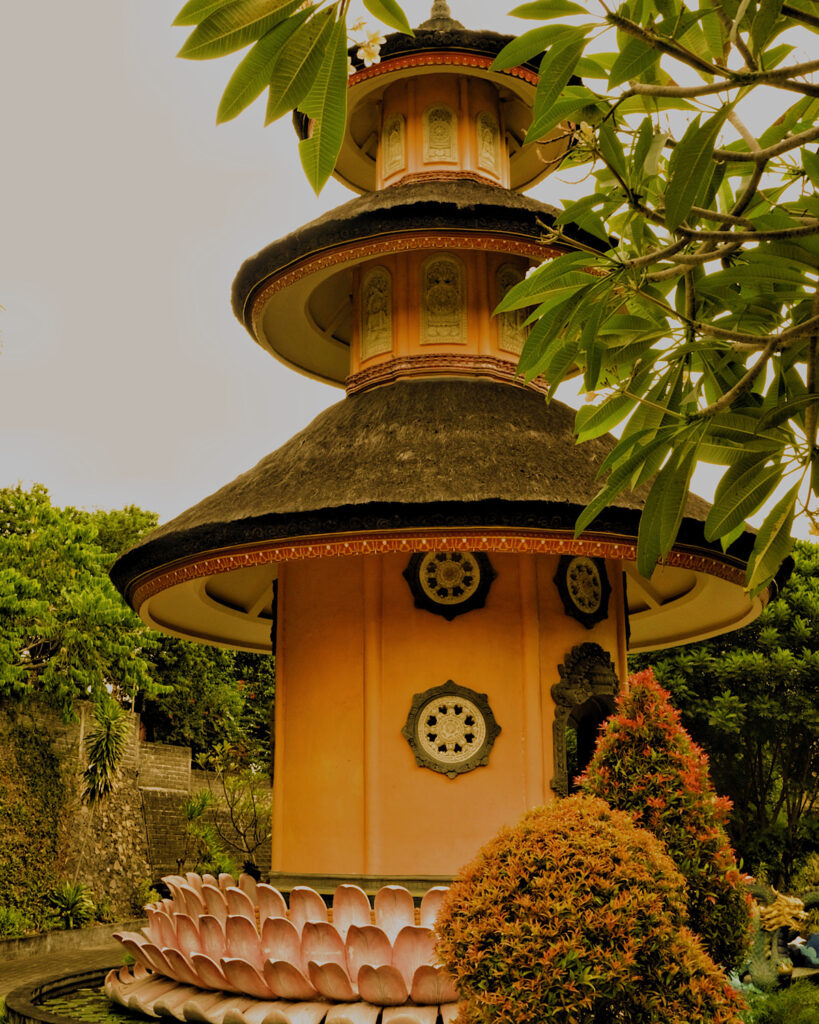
x: 693, y: 314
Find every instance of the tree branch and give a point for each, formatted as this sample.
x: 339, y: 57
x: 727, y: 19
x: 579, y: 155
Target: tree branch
x: 797, y: 15
x: 763, y: 155
x: 658, y: 42
x: 741, y: 386
x: 805, y: 230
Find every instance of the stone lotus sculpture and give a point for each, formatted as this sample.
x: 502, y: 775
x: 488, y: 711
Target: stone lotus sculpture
x: 229, y: 953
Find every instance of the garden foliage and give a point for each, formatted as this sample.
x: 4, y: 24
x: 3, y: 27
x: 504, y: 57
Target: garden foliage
x: 647, y: 765
x: 576, y: 914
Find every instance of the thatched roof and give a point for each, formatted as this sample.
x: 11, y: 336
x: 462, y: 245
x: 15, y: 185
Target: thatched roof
x: 413, y: 454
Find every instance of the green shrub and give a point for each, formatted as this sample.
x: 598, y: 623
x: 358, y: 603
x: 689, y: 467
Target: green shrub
x: 576, y: 915
x: 647, y: 765
x: 14, y: 923
x: 798, y: 1004
x: 72, y: 904
x: 144, y: 893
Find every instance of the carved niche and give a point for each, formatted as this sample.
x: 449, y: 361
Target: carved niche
x: 376, y: 312
x: 449, y: 583
x: 512, y: 333
x: 443, y: 302
x: 440, y: 131
x: 488, y: 143
x: 450, y: 729
x: 584, y: 698
x: 393, y: 146
x: 584, y: 588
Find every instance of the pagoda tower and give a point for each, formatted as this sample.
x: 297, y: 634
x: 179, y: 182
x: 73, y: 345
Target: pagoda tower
x: 446, y: 648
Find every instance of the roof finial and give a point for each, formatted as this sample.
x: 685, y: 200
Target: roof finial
x: 440, y: 19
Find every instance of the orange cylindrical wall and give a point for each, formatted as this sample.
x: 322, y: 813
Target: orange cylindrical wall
x: 349, y: 798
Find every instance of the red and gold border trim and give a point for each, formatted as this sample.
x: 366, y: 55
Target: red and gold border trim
x: 518, y: 542
x: 440, y: 57
x: 354, y: 251
x: 445, y: 362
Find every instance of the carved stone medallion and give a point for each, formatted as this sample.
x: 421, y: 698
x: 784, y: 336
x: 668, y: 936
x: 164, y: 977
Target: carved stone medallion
x: 376, y: 313
x: 440, y: 129
x: 587, y: 690
x: 394, y: 147
x: 443, y: 305
x: 584, y: 588
x: 449, y: 583
x: 512, y: 333
x: 451, y: 729
x: 488, y: 143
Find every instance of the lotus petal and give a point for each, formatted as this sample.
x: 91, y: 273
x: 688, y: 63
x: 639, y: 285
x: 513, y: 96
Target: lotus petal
x: 210, y: 880
x: 331, y: 981
x: 140, y: 972
x: 382, y: 986
x: 433, y: 985
x: 235, y: 1006
x: 142, y: 997
x: 157, y: 959
x: 212, y: 935
x: 123, y: 975
x: 410, y: 1015
x: 135, y: 944
x: 306, y: 905
x: 239, y: 903
x: 197, y: 1007
x: 353, y: 1013
x: 247, y: 883
x: 394, y: 909
x: 162, y: 930
x: 225, y: 880
x: 193, y: 903
x: 151, y: 930
x: 168, y: 906
x: 187, y: 934
x: 210, y: 972
x: 261, y: 1012
x: 244, y: 977
x: 287, y: 981
x: 242, y: 940
x: 174, y: 882
x: 135, y: 1001
x: 431, y: 904
x: 280, y: 940
x: 215, y: 902
x: 367, y: 945
x: 350, y: 906
x: 322, y: 943
x: 193, y: 880
x: 170, y: 1005
x: 181, y: 968
x: 270, y: 902
x: 449, y: 1011
x: 414, y: 947
x: 298, y: 1013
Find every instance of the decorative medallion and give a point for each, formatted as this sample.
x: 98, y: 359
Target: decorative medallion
x: 394, y: 148
x: 450, y: 583
x: 440, y: 127
x: 450, y: 729
x: 584, y: 588
x: 488, y: 143
x: 512, y: 332
x: 443, y: 306
x: 376, y: 313
x: 584, y: 698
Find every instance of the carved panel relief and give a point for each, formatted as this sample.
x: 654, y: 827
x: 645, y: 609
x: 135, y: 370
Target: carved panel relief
x: 440, y: 126
x: 376, y: 313
x: 394, y: 146
x: 584, y: 588
x: 512, y: 333
x: 587, y: 690
x: 449, y: 583
x: 443, y: 302
x: 488, y: 143
x: 451, y: 729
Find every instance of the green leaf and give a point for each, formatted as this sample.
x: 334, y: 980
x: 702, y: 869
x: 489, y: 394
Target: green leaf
x: 390, y: 13
x: 298, y: 65
x: 810, y: 164
x: 543, y: 9
x: 573, y: 99
x: 530, y: 44
x: 232, y: 27
x: 556, y: 69
x: 744, y: 487
x: 664, y: 507
x: 326, y: 104
x: 773, y: 543
x: 612, y: 149
x: 196, y: 11
x: 690, y: 168
x: 595, y: 420
x: 634, y: 58
x: 538, y: 281
x: 253, y: 73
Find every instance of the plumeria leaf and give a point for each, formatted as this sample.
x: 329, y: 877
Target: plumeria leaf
x: 773, y: 542
x: 634, y: 58
x: 544, y: 9
x: 743, y: 489
x: 298, y: 65
x: 691, y: 167
x: 233, y: 27
x: 556, y: 69
x: 573, y: 99
x: 390, y: 13
x: 665, y: 506
x: 195, y: 11
x: 326, y: 104
x: 530, y: 44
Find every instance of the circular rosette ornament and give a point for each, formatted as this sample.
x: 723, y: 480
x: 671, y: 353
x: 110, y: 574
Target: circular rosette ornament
x: 584, y: 588
x: 449, y: 583
x: 451, y: 729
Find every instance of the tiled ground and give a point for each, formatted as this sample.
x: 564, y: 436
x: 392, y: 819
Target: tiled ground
x: 14, y: 973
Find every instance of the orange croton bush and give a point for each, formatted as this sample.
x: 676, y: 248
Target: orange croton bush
x: 577, y: 916
x: 647, y: 765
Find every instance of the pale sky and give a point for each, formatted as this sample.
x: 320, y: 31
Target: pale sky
x: 125, y: 213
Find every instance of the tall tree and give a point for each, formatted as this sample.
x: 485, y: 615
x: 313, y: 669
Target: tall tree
x: 695, y: 316
x: 751, y: 698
